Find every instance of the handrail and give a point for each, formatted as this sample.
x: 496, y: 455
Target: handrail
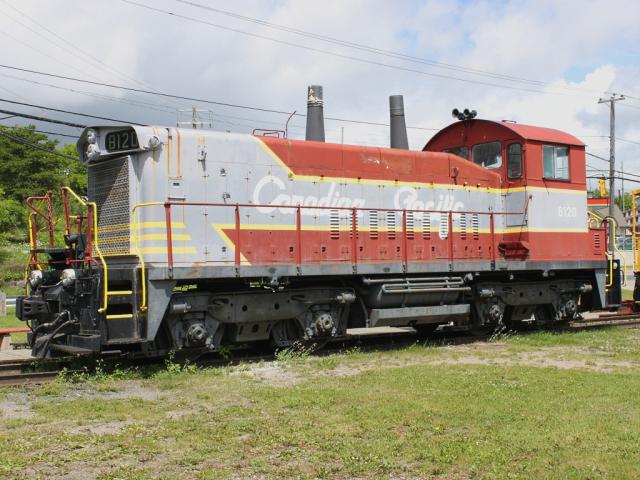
x: 49, y: 215
x: 594, y: 216
x: 610, y: 256
x: 136, y: 245
x: 615, y: 247
x: 105, y: 290
x: 352, y: 211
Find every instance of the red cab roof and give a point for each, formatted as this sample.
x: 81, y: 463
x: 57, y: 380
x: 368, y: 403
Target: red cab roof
x: 526, y: 132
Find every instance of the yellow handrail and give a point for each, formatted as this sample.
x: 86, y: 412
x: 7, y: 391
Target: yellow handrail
x: 105, y: 290
x: 615, y: 247
x: 136, y: 244
x: 32, y: 246
x: 594, y: 216
x: 610, y: 259
x: 611, y: 220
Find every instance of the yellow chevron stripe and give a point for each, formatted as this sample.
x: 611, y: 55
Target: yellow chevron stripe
x: 176, y: 250
x: 143, y: 226
x: 230, y: 245
x: 163, y: 236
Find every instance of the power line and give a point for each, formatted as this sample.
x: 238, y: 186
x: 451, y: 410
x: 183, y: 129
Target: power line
x: 135, y: 103
x: 616, y: 177
x: 335, y: 54
x: 42, y: 119
x: 597, y: 156
x: 630, y: 106
x: 74, y: 50
x: 70, y: 112
x: 56, y: 133
x: 619, y: 172
x: 628, y: 141
x: 199, y: 100
x: 38, y: 147
x: 370, y: 49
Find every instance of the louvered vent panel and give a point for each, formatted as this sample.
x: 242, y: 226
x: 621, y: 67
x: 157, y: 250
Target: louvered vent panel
x: 391, y: 225
x: 410, y: 225
x: 444, y: 225
x: 463, y: 226
x: 334, y: 224
x: 426, y: 226
x: 373, y: 224
x: 475, y: 226
x: 108, y: 187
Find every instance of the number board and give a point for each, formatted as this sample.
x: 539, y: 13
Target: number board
x: 121, y: 140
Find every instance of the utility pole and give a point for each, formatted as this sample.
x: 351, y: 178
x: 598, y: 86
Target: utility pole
x: 612, y: 159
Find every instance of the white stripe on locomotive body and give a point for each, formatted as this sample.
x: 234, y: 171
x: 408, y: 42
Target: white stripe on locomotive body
x: 207, y: 166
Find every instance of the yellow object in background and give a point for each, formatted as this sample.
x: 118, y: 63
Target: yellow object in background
x: 603, y: 187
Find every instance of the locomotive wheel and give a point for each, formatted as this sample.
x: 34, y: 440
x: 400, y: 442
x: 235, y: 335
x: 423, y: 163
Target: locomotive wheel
x: 287, y: 334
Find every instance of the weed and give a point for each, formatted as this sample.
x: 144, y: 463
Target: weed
x: 500, y: 334
x: 226, y: 352
x: 327, y: 363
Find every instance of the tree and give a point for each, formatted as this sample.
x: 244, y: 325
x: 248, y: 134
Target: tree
x: 627, y: 201
x: 28, y: 171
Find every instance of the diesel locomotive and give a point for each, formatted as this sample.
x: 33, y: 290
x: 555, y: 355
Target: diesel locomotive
x: 192, y: 240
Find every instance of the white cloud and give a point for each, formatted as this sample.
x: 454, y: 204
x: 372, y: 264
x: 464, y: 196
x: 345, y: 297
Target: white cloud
x: 568, y: 45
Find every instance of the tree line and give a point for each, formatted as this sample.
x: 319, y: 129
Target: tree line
x: 26, y: 171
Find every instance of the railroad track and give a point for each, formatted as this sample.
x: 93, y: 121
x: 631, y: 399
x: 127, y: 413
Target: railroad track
x: 15, y: 379
x: 30, y: 371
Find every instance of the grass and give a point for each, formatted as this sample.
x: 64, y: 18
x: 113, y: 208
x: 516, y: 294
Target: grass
x: 10, y: 321
x: 13, y: 258
x: 418, y: 412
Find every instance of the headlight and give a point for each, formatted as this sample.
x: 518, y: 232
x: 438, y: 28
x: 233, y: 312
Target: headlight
x: 68, y: 277
x: 154, y: 142
x: 35, y: 278
x: 92, y: 136
x: 93, y: 151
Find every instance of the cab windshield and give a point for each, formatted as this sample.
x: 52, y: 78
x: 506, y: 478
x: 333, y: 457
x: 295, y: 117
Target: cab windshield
x: 488, y: 155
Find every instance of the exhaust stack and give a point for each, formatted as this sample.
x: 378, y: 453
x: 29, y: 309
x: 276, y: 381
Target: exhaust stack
x: 398, y: 126
x: 315, y: 114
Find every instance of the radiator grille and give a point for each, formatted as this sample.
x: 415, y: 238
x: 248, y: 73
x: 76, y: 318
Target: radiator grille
x: 109, y: 188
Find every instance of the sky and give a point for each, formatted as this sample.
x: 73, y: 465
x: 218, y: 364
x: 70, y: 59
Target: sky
x: 538, y: 62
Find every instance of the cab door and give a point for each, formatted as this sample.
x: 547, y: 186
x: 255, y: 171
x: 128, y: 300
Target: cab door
x: 514, y: 183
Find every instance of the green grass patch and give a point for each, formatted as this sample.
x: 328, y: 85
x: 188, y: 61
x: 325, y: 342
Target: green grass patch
x: 10, y: 321
x: 619, y: 343
x: 406, y: 413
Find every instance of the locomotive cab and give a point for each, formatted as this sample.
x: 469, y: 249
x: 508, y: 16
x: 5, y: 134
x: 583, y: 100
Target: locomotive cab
x: 543, y: 181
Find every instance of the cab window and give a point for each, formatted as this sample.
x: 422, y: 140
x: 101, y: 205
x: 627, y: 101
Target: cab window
x: 555, y: 161
x: 460, y: 151
x: 514, y: 160
x: 489, y: 155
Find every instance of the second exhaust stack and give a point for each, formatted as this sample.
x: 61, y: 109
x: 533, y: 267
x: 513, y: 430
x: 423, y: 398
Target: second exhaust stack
x: 397, y: 124
x: 315, y: 114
